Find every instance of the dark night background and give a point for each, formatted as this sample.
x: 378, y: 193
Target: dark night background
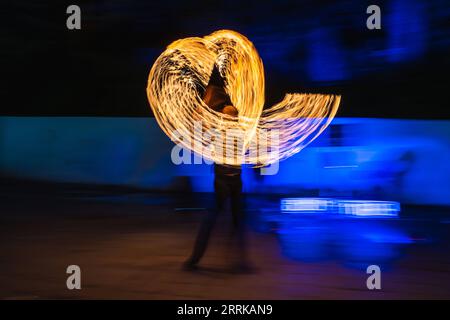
x: 400, y: 71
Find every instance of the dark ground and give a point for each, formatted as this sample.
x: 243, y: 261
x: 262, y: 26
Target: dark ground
x: 131, y: 246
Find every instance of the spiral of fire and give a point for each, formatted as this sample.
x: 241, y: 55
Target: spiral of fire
x: 182, y: 72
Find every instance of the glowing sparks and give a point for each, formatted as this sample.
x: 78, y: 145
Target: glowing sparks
x: 183, y: 70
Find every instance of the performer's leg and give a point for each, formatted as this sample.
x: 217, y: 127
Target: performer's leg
x: 201, y: 243
x: 239, y: 222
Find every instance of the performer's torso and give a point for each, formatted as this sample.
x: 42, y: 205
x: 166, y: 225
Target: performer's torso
x: 227, y: 170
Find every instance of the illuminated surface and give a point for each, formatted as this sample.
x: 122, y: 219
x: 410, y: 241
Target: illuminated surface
x: 186, y: 65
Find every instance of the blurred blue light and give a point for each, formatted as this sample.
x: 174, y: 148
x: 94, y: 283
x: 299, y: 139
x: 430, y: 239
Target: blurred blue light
x: 407, y: 30
x: 355, y: 158
x: 306, y: 204
x: 359, y: 208
x: 326, y: 61
x: 363, y: 208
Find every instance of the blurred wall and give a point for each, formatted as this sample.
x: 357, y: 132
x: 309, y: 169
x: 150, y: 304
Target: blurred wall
x: 380, y: 159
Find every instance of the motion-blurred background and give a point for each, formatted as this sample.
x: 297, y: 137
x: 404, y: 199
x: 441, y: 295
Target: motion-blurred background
x: 87, y: 178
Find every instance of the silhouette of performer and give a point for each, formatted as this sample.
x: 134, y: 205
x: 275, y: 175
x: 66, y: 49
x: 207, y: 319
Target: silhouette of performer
x: 227, y: 185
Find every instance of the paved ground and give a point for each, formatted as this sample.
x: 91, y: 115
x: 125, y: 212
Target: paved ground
x: 132, y: 247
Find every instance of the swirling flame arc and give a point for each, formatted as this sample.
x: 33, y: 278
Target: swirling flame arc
x: 182, y: 71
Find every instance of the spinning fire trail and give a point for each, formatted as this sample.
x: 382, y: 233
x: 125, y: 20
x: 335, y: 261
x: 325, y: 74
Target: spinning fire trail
x: 186, y: 65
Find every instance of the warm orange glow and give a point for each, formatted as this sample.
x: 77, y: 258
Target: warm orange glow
x: 186, y: 64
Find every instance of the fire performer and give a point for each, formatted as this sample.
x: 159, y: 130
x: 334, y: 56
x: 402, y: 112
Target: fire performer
x: 227, y: 185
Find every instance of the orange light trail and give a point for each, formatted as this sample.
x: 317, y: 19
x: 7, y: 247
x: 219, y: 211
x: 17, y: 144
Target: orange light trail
x: 186, y: 65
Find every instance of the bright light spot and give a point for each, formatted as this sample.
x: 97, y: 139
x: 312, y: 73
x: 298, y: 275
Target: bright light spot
x: 359, y: 208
